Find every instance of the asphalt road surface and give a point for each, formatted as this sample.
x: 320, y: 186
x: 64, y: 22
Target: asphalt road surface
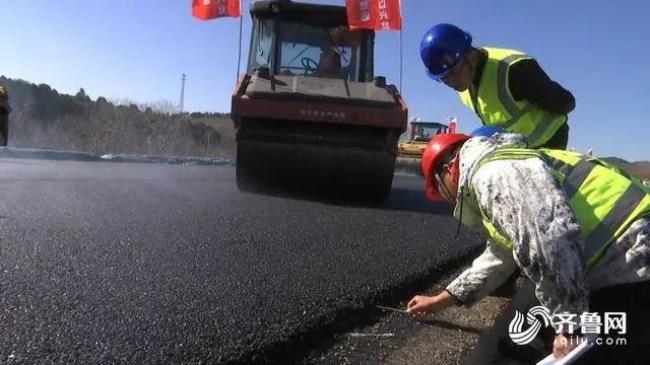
x: 104, y: 262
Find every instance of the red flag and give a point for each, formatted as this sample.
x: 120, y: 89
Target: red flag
x: 453, y: 125
x: 210, y: 9
x: 374, y: 14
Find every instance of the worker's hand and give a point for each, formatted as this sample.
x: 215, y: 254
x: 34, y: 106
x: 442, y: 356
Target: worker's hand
x: 563, y: 344
x: 421, y: 304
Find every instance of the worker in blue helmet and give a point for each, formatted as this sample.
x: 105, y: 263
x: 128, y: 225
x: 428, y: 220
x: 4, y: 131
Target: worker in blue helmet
x: 486, y: 131
x: 505, y: 88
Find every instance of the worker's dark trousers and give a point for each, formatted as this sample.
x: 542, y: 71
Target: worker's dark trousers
x: 4, y: 129
x: 634, y: 299
x: 560, y: 140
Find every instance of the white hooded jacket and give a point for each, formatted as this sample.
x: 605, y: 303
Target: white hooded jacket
x: 526, y: 204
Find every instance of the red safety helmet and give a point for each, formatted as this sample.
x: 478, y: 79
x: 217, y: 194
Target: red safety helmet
x: 435, y: 151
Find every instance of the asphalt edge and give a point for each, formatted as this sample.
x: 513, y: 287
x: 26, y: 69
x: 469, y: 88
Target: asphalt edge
x: 28, y: 153
x: 321, y: 334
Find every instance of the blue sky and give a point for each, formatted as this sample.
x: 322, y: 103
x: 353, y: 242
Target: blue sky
x: 138, y: 50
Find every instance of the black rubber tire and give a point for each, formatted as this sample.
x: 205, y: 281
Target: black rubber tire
x: 248, y: 179
x: 324, y: 172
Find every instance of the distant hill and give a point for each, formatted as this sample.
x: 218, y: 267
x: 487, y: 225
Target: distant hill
x: 43, y: 118
x: 640, y: 169
x: 616, y: 161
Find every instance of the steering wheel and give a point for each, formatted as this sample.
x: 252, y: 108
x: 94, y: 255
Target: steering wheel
x: 307, y: 63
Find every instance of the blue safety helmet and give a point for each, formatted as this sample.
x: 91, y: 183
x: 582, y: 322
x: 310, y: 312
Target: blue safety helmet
x: 441, y: 48
x: 487, y: 131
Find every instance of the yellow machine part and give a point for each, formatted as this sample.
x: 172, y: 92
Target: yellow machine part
x: 409, y: 157
x: 411, y: 148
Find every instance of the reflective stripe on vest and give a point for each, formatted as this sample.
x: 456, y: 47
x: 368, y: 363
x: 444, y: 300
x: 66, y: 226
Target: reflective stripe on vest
x: 603, y: 198
x: 495, y: 105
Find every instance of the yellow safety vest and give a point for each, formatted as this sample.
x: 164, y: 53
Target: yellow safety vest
x: 494, y: 104
x: 604, y: 199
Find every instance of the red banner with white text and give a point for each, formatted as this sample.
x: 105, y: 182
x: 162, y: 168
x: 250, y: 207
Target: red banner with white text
x: 211, y: 9
x: 374, y: 14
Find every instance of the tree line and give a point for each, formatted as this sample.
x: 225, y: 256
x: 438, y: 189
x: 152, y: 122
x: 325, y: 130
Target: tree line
x: 44, y: 118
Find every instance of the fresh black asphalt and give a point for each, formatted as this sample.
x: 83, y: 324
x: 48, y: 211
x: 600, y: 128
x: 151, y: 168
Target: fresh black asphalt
x: 140, y: 263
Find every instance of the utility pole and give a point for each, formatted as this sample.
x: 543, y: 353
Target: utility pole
x: 182, y: 102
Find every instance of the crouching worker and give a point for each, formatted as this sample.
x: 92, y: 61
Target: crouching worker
x: 576, y: 226
x: 4, y: 117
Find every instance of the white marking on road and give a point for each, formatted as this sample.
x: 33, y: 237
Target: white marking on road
x: 355, y: 334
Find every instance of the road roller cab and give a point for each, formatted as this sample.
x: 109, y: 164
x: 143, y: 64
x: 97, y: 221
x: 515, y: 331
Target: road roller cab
x: 309, y: 112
